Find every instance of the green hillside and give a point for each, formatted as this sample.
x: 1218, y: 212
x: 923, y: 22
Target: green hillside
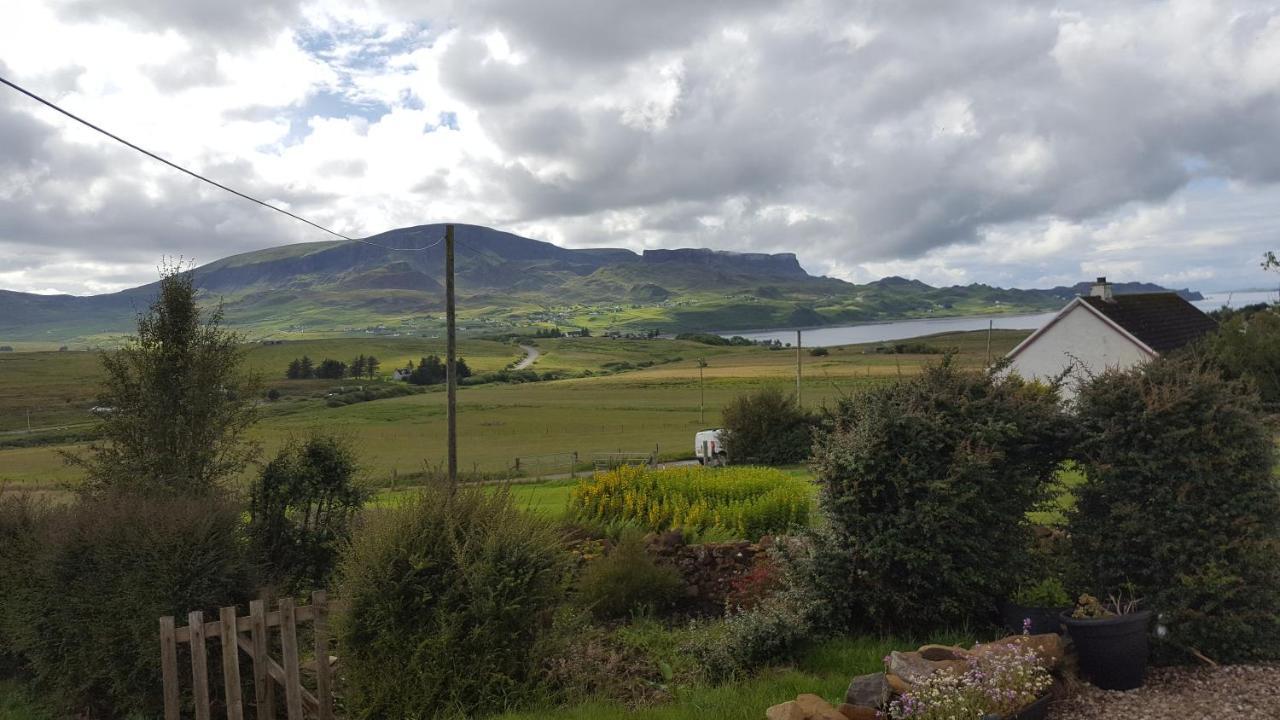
x: 393, y: 286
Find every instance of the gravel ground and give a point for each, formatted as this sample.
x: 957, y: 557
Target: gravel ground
x: 1235, y: 692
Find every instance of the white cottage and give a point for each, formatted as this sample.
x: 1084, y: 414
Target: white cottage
x: 1104, y: 330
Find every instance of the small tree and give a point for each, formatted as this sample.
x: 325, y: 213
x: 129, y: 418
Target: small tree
x: 357, y: 366
x: 371, y: 365
x: 294, y: 371
x: 1180, y: 504
x: 330, y: 369
x: 180, y: 403
x: 300, y: 510
x: 927, y: 483
x: 1247, y: 345
x: 766, y: 427
x: 306, y: 368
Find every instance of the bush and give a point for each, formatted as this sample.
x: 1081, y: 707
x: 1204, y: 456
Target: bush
x: 744, y: 502
x: 22, y: 523
x: 766, y: 427
x: 300, y: 511
x: 1179, y: 500
x: 927, y: 483
x: 448, y: 600
x: 1247, y: 345
x: 819, y: 352
x: 107, y: 569
x: 627, y: 580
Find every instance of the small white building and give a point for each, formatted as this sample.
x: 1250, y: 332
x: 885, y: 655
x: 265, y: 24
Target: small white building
x: 1103, y: 331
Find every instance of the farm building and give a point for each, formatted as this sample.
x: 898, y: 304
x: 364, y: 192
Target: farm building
x: 1103, y: 330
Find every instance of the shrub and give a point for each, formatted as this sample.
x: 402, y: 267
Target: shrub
x: 766, y: 427
x: 1179, y: 501
x: 819, y: 352
x: 300, y: 511
x: 745, y: 502
x: 448, y: 599
x: 772, y: 631
x: 927, y: 483
x: 108, y: 568
x: 22, y: 521
x: 1247, y: 345
x: 627, y: 580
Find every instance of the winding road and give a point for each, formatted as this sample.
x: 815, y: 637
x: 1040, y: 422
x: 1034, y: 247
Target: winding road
x: 531, y: 355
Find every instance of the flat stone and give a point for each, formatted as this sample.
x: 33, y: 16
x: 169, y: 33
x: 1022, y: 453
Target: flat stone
x: 897, y: 684
x: 815, y: 708
x: 858, y: 712
x: 785, y: 711
x: 871, y: 690
x: 938, y: 653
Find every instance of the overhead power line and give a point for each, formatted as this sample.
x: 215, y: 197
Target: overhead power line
x: 200, y: 177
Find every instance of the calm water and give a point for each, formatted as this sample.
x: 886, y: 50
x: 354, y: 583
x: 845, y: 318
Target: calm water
x: 903, y: 329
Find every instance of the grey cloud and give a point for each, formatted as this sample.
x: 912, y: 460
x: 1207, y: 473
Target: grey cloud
x: 225, y: 23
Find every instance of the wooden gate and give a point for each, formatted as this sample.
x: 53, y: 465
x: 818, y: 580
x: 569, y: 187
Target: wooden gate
x: 252, y: 636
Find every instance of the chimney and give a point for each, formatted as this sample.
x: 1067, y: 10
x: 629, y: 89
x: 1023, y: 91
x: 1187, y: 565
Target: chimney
x: 1102, y: 289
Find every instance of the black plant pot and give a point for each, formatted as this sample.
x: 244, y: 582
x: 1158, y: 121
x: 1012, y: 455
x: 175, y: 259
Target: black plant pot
x: 1043, y: 620
x: 1113, y: 650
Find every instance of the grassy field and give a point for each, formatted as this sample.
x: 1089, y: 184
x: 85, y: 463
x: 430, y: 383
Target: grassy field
x: 638, y: 410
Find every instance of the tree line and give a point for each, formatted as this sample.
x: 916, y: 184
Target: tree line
x: 304, y: 368
x: 431, y: 370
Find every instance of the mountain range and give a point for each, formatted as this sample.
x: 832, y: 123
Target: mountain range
x: 393, y: 283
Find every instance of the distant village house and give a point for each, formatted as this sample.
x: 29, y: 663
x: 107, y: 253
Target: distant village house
x: 1104, y: 330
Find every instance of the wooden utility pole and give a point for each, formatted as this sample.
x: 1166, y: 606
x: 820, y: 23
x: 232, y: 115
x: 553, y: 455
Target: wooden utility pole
x: 798, y: 356
x: 990, y: 326
x: 702, y: 393
x: 451, y: 355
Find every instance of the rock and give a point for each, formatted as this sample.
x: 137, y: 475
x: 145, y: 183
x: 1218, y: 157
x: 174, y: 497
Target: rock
x: 914, y: 668
x: 871, y: 691
x: 815, y: 708
x: 1048, y: 647
x: 858, y: 712
x: 938, y: 653
x: 897, y: 684
x: 785, y: 711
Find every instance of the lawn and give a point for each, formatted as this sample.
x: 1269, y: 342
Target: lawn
x: 825, y: 670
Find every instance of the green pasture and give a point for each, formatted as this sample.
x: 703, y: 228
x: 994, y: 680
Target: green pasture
x: 636, y: 410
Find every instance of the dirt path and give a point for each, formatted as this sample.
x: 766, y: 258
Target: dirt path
x: 531, y: 355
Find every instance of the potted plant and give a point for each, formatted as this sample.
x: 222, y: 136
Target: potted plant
x: 1111, y: 641
x: 1036, y: 608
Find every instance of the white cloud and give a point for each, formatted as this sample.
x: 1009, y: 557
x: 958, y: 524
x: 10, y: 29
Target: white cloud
x: 1007, y: 143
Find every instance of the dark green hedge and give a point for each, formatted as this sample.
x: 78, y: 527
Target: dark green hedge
x: 927, y: 483
x: 1180, y: 501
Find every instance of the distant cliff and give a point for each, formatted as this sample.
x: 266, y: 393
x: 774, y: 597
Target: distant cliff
x: 777, y: 265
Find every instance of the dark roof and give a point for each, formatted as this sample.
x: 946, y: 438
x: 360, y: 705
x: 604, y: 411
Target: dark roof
x: 1163, y: 321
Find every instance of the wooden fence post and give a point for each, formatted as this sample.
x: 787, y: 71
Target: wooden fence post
x: 199, y: 668
x: 289, y: 647
x: 320, y: 629
x: 231, y: 664
x: 263, y: 694
x: 169, y: 667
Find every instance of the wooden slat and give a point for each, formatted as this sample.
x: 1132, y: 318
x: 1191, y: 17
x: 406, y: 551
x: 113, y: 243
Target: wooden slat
x: 320, y: 628
x: 273, y: 620
x: 199, y: 671
x: 289, y: 646
x: 276, y: 671
x: 263, y: 695
x: 169, y: 668
x: 231, y: 664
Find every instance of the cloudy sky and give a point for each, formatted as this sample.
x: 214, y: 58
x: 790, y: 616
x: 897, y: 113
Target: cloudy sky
x: 1015, y: 143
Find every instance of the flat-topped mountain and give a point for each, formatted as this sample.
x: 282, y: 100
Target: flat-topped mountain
x: 393, y: 283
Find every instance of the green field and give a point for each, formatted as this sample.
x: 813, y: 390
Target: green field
x: 636, y: 410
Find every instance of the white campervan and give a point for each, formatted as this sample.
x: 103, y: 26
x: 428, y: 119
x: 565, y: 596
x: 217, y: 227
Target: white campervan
x: 708, y: 447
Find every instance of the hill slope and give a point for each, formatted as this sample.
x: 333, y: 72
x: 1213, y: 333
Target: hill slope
x: 395, y: 286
